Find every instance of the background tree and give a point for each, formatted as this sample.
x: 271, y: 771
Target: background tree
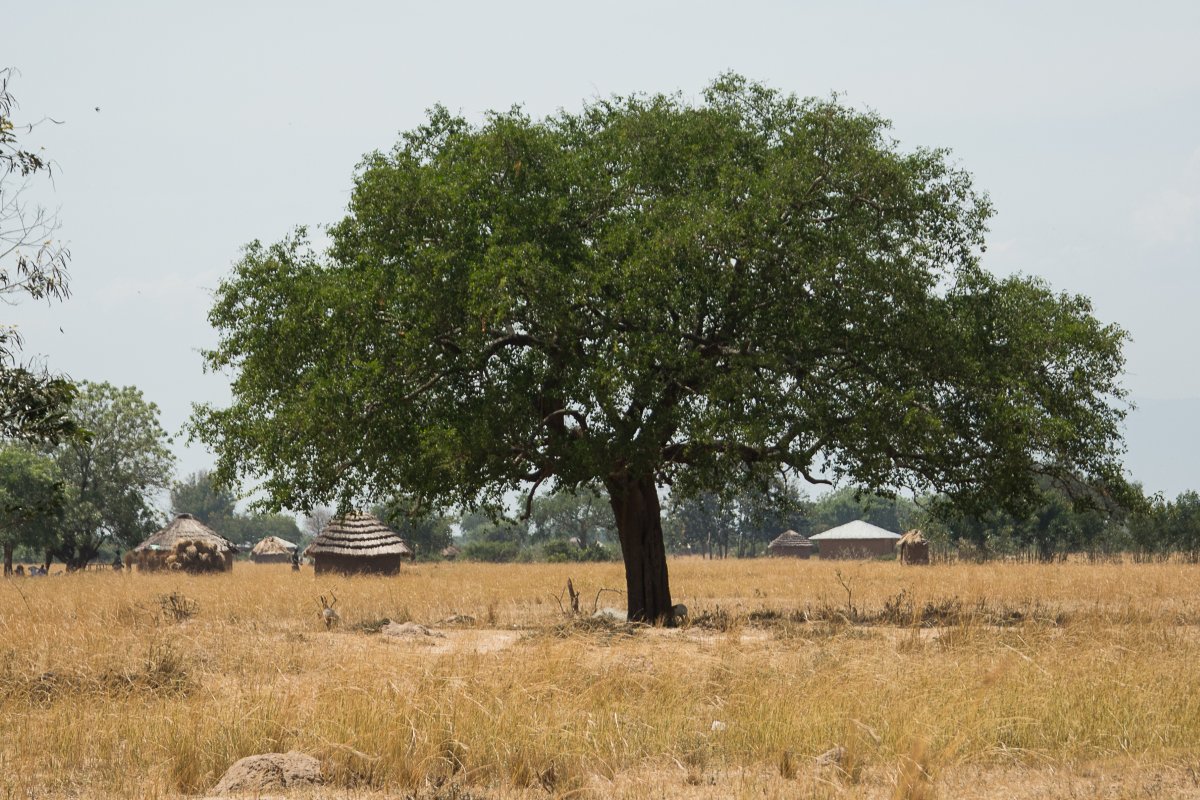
x: 584, y: 515
x: 765, y: 512
x: 33, y: 403
x: 112, y: 475
x: 703, y: 523
x: 197, y: 495
x: 428, y: 534
x: 655, y: 293
x: 248, y: 529
x: 216, y: 507
x: 1179, y: 526
x: 746, y: 519
x: 494, y: 538
x: 316, y: 520
x: 848, y: 504
x: 31, y: 501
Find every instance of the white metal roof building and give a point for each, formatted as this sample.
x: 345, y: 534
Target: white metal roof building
x: 857, y: 539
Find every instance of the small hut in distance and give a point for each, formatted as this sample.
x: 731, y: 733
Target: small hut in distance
x: 913, y: 548
x: 186, y: 544
x: 358, y: 543
x: 272, y: 550
x: 791, y: 545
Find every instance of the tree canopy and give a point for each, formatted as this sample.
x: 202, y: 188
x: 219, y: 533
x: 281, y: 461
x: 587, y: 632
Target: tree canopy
x: 655, y: 292
x: 196, y: 495
x: 111, y: 475
x: 31, y: 500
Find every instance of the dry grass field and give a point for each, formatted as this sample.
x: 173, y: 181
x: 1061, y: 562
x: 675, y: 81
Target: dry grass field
x: 1031, y: 681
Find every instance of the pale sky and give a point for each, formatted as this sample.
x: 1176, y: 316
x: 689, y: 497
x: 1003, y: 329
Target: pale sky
x: 220, y: 123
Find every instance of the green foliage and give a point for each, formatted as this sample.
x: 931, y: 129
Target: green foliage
x: 478, y: 527
x: 33, y: 403
x: 196, y: 495
x: 112, y: 475
x: 31, y: 500
x: 564, y: 550
x: 496, y: 552
x: 427, y: 534
x: 1087, y: 519
x: 250, y: 528
x: 745, y: 520
x: 583, y: 514
x: 848, y: 504
x: 215, y: 507
x: 1168, y: 527
x: 655, y: 292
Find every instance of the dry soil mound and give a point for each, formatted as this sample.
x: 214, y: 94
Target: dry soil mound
x: 269, y: 772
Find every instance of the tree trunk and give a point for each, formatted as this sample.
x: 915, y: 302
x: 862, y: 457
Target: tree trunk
x: 8, y: 553
x: 639, y: 526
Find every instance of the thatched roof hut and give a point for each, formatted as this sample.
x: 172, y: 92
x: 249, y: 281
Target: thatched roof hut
x: 792, y: 545
x: 358, y: 543
x: 272, y: 550
x: 186, y: 544
x: 913, y: 548
x: 450, y: 552
x: 857, y: 539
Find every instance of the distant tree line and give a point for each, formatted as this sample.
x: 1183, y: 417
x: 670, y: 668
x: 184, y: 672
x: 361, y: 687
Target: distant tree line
x: 580, y: 526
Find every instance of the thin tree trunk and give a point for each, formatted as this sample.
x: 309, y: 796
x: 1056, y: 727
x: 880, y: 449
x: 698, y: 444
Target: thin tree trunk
x: 639, y: 525
x: 8, y: 555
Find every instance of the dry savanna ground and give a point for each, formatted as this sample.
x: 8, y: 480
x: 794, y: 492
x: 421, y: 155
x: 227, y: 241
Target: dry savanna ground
x: 1066, y: 680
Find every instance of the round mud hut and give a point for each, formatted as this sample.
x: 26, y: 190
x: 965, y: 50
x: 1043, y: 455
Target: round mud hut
x: 857, y: 539
x: 450, y: 552
x: 187, y: 545
x: 790, y: 544
x: 272, y: 550
x: 358, y: 544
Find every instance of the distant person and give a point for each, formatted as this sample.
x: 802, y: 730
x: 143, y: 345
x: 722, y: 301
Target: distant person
x: 296, y: 560
x: 19, y: 571
x: 117, y: 563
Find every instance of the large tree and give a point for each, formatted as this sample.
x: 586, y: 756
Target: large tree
x: 112, y: 475
x: 31, y: 501
x: 33, y: 263
x: 652, y: 292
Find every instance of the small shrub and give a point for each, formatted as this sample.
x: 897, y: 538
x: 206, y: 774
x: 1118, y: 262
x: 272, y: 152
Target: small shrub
x: 174, y: 607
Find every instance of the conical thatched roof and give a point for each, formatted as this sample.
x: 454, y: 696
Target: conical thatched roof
x: 186, y: 528
x: 358, y: 534
x: 273, y: 546
x: 789, y: 539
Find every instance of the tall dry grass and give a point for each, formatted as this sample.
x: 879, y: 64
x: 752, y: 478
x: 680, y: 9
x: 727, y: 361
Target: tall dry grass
x: 152, y: 685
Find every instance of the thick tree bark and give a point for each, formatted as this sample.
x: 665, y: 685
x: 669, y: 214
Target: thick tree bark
x: 639, y: 525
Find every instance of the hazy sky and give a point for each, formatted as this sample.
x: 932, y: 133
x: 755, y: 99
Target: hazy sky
x: 220, y: 123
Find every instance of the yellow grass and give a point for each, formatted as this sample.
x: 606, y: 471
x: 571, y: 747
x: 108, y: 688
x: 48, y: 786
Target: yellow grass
x: 944, y: 681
